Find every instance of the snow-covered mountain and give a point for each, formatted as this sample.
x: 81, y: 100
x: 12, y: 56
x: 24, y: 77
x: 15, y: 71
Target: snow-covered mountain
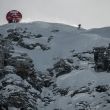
x: 57, y: 72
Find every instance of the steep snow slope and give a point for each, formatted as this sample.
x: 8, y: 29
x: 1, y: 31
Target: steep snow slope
x: 70, y: 82
x: 59, y: 38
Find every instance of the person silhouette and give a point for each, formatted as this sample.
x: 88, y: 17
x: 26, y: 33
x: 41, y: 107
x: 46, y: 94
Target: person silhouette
x: 79, y: 26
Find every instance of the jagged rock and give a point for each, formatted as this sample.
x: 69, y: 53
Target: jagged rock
x: 81, y: 90
x: 21, y: 63
x: 47, y: 82
x: 21, y: 100
x: 33, y: 45
x: 16, y: 92
x: 82, y: 105
x: 70, y: 60
x: 28, y: 46
x: 24, y: 67
x: 38, y: 36
x: 102, y: 88
x: 82, y: 56
x: 50, y: 38
x: 61, y: 67
x: 9, y: 69
x: 108, y: 100
x: 14, y: 36
x: 3, y: 107
x: 63, y: 92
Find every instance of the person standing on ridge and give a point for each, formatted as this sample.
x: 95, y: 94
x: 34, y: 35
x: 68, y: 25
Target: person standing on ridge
x: 79, y: 26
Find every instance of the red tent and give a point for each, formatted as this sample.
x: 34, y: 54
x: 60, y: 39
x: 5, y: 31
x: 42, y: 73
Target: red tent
x: 13, y: 16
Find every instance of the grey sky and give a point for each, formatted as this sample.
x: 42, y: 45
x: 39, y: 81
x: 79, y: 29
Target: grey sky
x: 90, y: 13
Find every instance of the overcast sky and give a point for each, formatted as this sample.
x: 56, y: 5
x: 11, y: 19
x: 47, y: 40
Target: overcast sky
x: 90, y: 13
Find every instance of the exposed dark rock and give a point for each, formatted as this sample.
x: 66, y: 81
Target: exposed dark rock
x: 39, y: 36
x: 50, y: 38
x: 32, y: 46
x: 57, y: 109
x: 61, y: 67
x: 19, y: 92
x: 3, y: 107
x: 102, y: 88
x: 56, y: 30
x: 82, y: 105
x: 63, y: 92
x: 70, y: 60
x: 108, y: 100
x: 14, y: 36
x: 81, y: 90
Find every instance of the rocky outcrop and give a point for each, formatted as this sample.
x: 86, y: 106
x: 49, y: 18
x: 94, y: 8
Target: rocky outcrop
x: 17, y: 92
x: 61, y: 67
x: 33, y: 45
